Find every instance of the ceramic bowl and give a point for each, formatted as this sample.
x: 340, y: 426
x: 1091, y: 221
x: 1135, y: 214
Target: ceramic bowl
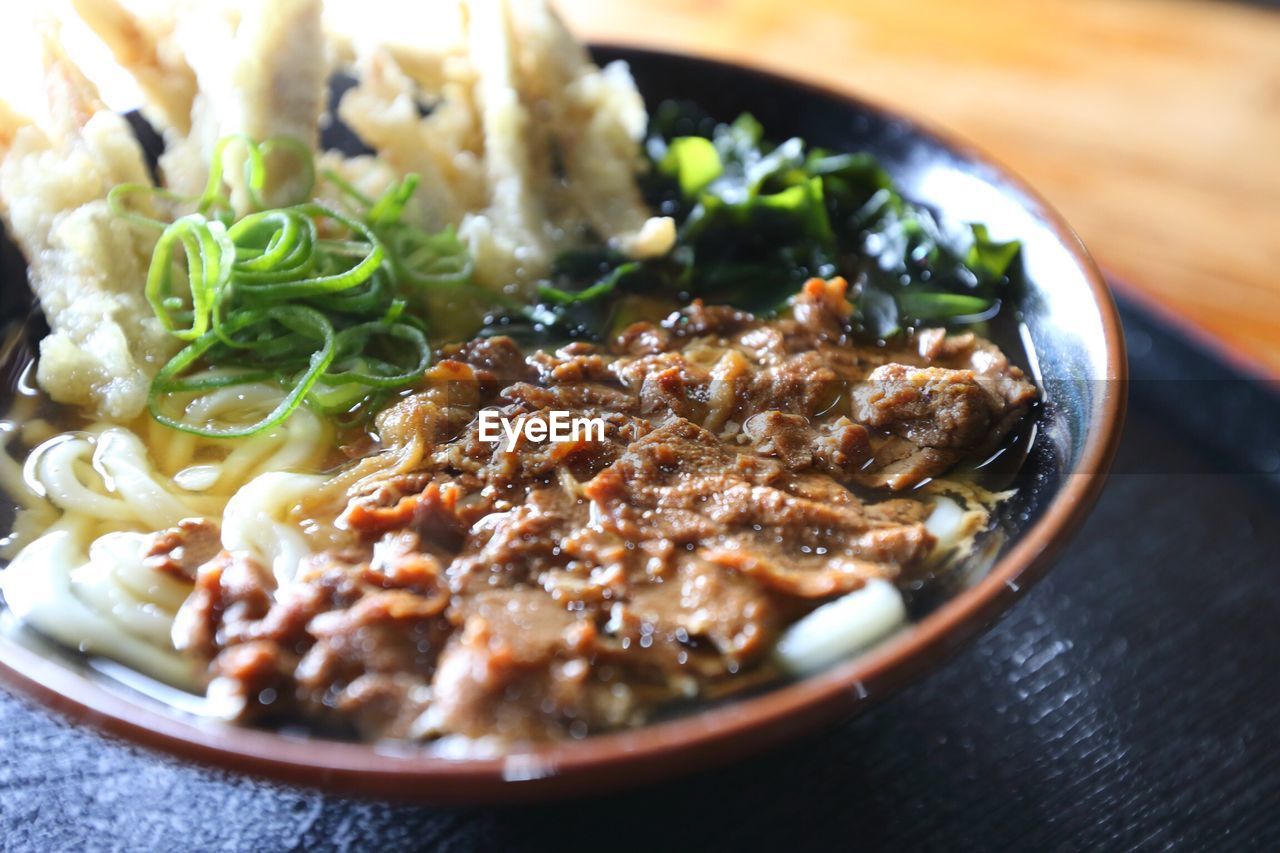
x: 1070, y: 329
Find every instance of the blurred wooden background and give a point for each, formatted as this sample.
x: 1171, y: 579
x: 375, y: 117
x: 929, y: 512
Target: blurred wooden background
x: 1153, y: 125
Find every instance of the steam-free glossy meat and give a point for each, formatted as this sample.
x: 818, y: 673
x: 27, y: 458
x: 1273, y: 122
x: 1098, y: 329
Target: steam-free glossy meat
x: 562, y: 588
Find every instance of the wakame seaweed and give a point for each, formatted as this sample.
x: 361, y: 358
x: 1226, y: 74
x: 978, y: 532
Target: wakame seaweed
x: 756, y: 219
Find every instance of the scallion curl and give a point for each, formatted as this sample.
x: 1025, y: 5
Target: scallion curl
x: 306, y: 294
x: 305, y: 321
x: 210, y: 258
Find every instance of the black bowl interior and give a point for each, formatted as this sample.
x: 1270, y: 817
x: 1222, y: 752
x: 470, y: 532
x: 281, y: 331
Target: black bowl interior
x: 1057, y: 331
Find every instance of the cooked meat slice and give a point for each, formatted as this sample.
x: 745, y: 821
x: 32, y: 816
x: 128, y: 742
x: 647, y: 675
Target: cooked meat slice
x: 803, y: 384
x: 787, y: 438
x: 232, y: 593
x: 511, y: 473
x: 930, y: 406
x: 937, y: 414
x: 520, y: 669
x: 702, y: 319
x: 372, y: 662
x: 666, y: 382
x: 642, y: 338
x: 578, y: 397
x: 500, y: 356
x: 837, y: 576
x: 247, y: 677
x: 730, y: 610
x: 553, y: 589
x: 840, y: 448
x: 898, y: 464
x: 571, y: 364
x: 329, y: 646
x: 681, y: 484
x: 837, y: 448
x: 433, y: 513
x: 181, y: 550
x: 514, y: 546
x: 822, y: 308
x: 989, y: 365
x: 451, y: 393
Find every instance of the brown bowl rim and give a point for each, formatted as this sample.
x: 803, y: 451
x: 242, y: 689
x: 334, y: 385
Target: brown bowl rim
x: 625, y: 759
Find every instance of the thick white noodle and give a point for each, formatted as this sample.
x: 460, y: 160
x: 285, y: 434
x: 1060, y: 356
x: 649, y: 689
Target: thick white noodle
x: 838, y: 630
x: 41, y: 591
x: 95, y: 497
x: 256, y: 521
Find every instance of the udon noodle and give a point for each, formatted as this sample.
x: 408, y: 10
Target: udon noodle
x: 91, y: 500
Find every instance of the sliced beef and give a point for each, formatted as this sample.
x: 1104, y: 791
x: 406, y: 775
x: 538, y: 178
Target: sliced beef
x: 823, y: 308
x: 838, y: 448
x: 181, y: 550
x: 932, y: 416
x: 232, y: 593
x: 556, y: 589
x: 351, y: 644
x: 788, y: 438
x: 520, y: 666
x: 680, y: 483
x: 698, y: 601
x: 929, y: 406
x: 899, y: 464
x: 499, y: 359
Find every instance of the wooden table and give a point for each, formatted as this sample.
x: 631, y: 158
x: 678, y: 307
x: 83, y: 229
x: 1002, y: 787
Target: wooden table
x: 1154, y: 125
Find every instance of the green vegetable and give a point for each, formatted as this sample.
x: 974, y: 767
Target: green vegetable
x: 306, y: 324
x: 755, y: 220
x: 693, y: 162
x: 601, y: 288
x: 943, y: 306
x: 314, y: 297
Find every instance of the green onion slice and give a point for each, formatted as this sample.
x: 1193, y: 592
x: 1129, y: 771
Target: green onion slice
x: 313, y: 297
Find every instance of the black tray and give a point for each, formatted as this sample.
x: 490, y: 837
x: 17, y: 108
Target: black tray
x: 1131, y: 700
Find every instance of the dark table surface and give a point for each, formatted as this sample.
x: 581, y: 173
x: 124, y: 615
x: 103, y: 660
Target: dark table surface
x: 1131, y: 700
